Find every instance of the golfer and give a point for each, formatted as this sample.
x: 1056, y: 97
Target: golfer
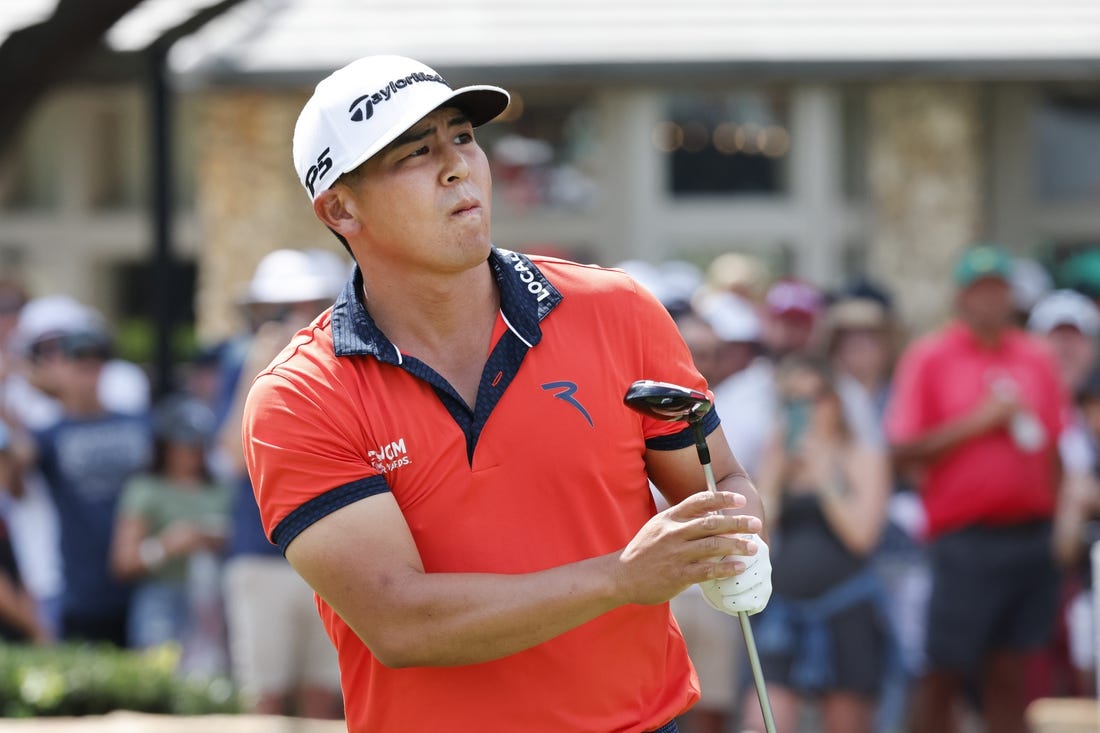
x: 445, y: 456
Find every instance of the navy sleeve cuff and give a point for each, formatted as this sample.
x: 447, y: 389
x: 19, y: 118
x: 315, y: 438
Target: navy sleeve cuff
x: 684, y: 438
x: 297, y: 521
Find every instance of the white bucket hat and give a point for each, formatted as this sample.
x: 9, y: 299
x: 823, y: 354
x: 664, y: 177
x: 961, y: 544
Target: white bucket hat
x: 359, y: 109
x: 1065, y: 308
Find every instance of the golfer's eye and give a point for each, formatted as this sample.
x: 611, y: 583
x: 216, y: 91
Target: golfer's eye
x: 422, y: 150
x: 463, y: 138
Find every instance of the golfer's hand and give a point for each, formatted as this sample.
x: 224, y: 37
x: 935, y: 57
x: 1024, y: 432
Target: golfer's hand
x: 747, y: 591
x: 692, y: 541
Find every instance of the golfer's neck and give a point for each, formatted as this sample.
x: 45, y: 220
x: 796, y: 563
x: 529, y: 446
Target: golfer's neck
x: 432, y: 309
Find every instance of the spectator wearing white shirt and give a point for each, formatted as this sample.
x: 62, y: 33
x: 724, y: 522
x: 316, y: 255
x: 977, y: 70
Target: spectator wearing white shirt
x: 1069, y: 322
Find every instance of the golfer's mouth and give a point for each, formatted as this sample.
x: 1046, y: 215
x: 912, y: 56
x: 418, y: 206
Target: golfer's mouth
x: 466, y: 207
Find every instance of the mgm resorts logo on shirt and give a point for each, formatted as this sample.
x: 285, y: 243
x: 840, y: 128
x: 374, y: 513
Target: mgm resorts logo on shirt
x: 389, y: 456
x: 363, y: 107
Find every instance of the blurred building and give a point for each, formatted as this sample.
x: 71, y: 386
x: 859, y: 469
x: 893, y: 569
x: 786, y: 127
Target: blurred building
x: 832, y: 138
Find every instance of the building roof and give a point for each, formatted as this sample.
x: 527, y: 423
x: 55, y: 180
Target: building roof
x: 146, y: 22
x: 134, y: 31
x: 300, y: 39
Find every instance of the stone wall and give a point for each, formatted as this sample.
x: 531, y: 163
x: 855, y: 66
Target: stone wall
x: 249, y: 201
x: 925, y: 168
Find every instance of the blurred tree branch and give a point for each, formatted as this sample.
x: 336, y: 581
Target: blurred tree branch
x: 34, y: 58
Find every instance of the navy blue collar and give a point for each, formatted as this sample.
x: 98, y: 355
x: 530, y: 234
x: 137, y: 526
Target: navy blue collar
x: 526, y: 297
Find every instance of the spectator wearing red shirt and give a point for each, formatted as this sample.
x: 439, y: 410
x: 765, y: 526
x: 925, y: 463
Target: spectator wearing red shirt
x: 977, y: 408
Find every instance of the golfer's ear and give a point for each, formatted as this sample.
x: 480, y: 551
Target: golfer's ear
x: 331, y: 207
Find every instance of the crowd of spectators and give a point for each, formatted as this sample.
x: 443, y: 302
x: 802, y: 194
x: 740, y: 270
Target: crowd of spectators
x: 931, y: 496
x: 891, y: 464
x: 130, y: 521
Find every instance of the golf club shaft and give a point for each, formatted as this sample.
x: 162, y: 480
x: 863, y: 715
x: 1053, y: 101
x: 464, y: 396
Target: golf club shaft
x: 757, y: 672
x: 746, y: 627
x: 711, y: 483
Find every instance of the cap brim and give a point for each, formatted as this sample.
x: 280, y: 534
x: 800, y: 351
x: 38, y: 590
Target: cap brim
x: 481, y: 103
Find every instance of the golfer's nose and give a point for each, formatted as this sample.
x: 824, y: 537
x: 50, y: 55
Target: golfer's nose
x: 455, y: 167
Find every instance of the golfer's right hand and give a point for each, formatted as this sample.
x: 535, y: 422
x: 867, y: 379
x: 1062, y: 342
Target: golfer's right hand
x: 701, y: 538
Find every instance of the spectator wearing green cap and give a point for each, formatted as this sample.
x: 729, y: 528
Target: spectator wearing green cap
x: 977, y: 409
x: 1081, y: 272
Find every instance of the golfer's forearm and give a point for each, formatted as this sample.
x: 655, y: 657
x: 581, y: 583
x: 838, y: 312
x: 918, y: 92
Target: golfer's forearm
x: 449, y: 619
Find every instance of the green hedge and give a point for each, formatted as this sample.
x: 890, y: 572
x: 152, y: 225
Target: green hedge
x: 72, y: 679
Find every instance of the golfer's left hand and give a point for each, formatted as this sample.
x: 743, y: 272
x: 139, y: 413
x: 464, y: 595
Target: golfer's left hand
x: 748, y: 591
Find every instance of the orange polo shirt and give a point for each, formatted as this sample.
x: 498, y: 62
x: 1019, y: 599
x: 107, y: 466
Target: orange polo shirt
x: 988, y: 479
x: 547, y: 469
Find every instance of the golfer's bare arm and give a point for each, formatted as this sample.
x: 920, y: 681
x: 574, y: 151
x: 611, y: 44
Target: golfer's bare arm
x: 362, y: 560
x: 678, y: 474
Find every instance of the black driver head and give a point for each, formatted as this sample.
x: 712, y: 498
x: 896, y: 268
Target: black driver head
x: 666, y: 401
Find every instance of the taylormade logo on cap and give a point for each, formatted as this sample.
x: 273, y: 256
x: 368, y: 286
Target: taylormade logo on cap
x: 359, y: 109
x: 363, y: 107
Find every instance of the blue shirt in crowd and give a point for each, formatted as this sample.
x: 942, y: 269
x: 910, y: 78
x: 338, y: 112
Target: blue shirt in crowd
x: 86, y: 463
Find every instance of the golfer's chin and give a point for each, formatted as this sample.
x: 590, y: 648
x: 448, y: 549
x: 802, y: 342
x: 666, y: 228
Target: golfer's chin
x: 476, y: 242
x: 469, y: 251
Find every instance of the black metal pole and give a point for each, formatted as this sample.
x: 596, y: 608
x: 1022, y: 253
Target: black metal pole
x: 163, y: 288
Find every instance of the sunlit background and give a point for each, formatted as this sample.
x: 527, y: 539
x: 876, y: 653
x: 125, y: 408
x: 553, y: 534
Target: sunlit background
x: 145, y: 163
x: 830, y: 138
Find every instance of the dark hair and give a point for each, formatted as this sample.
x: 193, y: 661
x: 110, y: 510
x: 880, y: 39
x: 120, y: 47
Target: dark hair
x: 160, y: 458
x: 1090, y: 388
x: 181, y: 419
x: 342, y: 241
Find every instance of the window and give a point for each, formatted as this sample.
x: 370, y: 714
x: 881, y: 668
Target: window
x: 30, y: 178
x: 1066, y: 129
x: 854, y: 126
x: 725, y: 142
x: 118, y: 153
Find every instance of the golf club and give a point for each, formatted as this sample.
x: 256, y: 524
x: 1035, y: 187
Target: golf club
x: 674, y: 403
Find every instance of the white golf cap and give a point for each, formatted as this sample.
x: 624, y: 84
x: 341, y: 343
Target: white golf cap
x: 54, y: 316
x: 359, y: 109
x: 287, y: 276
x: 1065, y: 308
x: 732, y: 317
